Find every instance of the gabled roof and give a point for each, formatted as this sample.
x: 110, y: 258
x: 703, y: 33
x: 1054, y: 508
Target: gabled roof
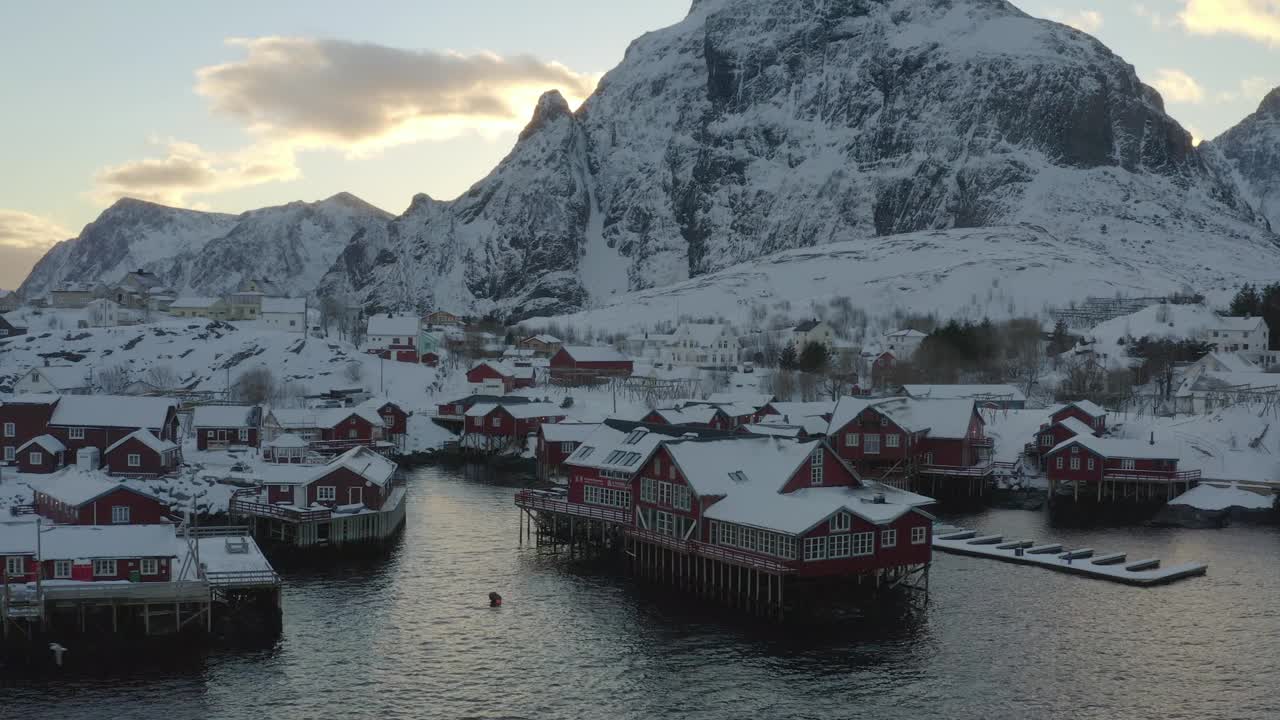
x: 594, y: 353
x: 519, y: 411
x: 1074, y: 425
x: 774, y: 430
x: 393, y: 325
x: 567, y: 432
x: 62, y: 377
x: 689, y: 415
x: 124, y: 411
x: 364, y: 462
x: 1091, y: 409
x: 1112, y: 448
x: 287, y: 440
x: 226, y: 416
x: 48, y: 443
x: 756, y: 400
x: 146, y: 438
x: 331, y: 417
x: 73, y: 542
x: 76, y: 487
x: 1240, y: 324
x: 32, y: 399
x: 284, y: 305
x: 548, y: 339
x: 942, y: 418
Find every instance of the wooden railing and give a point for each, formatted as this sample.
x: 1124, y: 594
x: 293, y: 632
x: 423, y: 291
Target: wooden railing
x: 244, y: 505
x: 1151, y: 475
x: 242, y: 579
x: 537, y: 500
x: 979, y: 470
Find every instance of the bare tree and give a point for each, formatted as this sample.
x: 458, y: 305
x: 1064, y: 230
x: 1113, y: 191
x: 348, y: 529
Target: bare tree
x: 161, y: 377
x: 782, y: 384
x: 255, y: 386
x: 112, y: 380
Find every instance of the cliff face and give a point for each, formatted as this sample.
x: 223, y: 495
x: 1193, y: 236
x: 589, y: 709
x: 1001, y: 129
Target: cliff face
x: 1253, y: 148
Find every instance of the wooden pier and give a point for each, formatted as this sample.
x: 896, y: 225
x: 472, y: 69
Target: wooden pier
x: 1053, y: 556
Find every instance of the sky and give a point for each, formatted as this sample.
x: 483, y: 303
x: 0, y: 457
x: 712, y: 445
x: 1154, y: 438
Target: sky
x: 236, y: 105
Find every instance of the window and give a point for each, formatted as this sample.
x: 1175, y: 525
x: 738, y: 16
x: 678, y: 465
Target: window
x: 864, y: 543
x: 919, y: 535
x: 566, y: 447
x: 135, y: 460
x: 36, y: 458
x: 61, y: 569
x: 497, y: 422
x: 888, y: 538
x: 10, y: 429
x: 664, y: 493
x: 891, y: 440
x: 75, y: 433
x: 1058, y: 463
x: 851, y: 439
x: 104, y: 568
x: 595, y: 495
x: 1126, y: 464
x: 671, y: 471
x: 840, y: 522
x: 815, y: 467
x: 8, y: 453
x: 244, y: 435
x: 871, y: 443
x: 395, y: 341
x: 928, y: 458
x: 119, y: 514
x: 1090, y: 463
x: 657, y: 467
x: 15, y: 565
x: 680, y: 498
x: 293, y: 323
x: 1075, y: 463
x: 1046, y: 440
x: 787, y: 547
x: 663, y: 523
x: 326, y: 492
x: 648, y: 490
x: 150, y: 566
x: 838, y: 545
x: 815, y: 548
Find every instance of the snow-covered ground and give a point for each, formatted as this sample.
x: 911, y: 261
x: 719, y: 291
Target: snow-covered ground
x: 1174, y: 322
x: 1212, y: 497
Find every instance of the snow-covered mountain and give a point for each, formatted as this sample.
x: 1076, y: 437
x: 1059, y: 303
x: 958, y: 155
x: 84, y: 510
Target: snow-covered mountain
x: 292, y: 246
x: 1253, y: 147
x: 755, y: 126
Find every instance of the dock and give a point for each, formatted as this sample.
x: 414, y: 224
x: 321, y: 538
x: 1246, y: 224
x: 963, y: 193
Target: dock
x: 1053, y: 556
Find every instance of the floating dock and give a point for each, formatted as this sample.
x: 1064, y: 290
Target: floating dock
x: 1079, y: 561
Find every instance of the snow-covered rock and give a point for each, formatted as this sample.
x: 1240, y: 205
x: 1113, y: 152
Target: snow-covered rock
x: 1253, y: 147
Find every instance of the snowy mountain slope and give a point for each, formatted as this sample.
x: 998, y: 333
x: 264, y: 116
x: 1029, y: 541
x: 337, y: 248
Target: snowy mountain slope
x: 1253, y: 148
x: 974, y: 272
x: 755, y: 126
x: 292, y: 246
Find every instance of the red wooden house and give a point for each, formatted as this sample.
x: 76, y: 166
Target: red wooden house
x: 343, y: 428
x: 224, y: 426
x: 76, y: 498
x: 1091, y: 414
x: 456, y: 410
x: 22, y: 418
x: 42, y: 454
x: 1105, y: 468
x: 431, y: 359
x: 141, y: 454
x: 557, y: 441
x: 102, y: 420
x: 510, y: 377
x: 491, y: 425
x: 901, y: 436
x: 92, y: 553
x: 580, y: 363
x: 395, y: 419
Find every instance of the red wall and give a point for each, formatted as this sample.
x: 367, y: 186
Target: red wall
x: 29, y: 421
x: 480, y: 373
x: 562, y: 360
x: 233, y: 437
x: 1066, y: 473
x: 834, y: 474
x: 550, y: 455
x: 102, y: 438
x: 123, y: 567
x: 117, y: 461
x: 399, y: 422
x: 342, y: 480
x: 143, y: 510
x: 580, y: 476
x: 1082, y: 416
x: 342, y: 431
x: 863, y: 424
x: 903, y: 553
x: 49, y: 461
x: 665, y: 474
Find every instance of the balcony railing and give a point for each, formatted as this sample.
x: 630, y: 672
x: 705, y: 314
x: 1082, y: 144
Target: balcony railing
x: 980, y: 470
x: 535, y: 500
x: 248, y: 503
x: 1187, y: 476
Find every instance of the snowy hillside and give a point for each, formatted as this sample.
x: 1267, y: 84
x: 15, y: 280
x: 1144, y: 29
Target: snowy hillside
x: 974, y: 273
x: 291, y: 246
x: 755, y: 126
x: 1253, y: 147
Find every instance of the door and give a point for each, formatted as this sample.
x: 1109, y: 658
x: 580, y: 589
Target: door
x: 300, y: 495
x: 355, y: 496
x: 222, y: 437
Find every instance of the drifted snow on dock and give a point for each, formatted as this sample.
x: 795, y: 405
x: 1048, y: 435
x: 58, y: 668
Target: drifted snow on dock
x: 1113, y: 566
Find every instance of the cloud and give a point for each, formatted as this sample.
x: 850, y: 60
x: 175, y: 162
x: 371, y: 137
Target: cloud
x: 312, y: 92
x: 24, y: 231
x: 1089, y: 21
x: 1177, y: 86
x: 1254, y: 19
x: 1251, y: 89
x: 185, y: 169
x: 1157, y: 19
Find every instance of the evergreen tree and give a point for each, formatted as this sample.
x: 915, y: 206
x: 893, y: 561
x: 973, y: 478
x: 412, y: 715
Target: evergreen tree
x: 1247, y: 301
x: 813, y: 357
x: 1060, y: 341
x: 787, y: 358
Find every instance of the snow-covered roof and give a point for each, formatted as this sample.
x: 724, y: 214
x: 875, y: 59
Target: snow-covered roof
x: 365, y: 463
x: 62, y: 377
x: 146, y: 438
x: 48, y: 442
x: 906, y: 334
x: 74, y: 486
x: 568, y: 432
x: 953, y: 392
x: 287, y: 440
x: 755, y: 400
x: 331, y: 417
x: 224, y: 416
x: 1076, y: 426
x: 194, y: 302
x: 795, y: 410
x: 75, y: 542
x: 688, y: 415
x: 1211, y: 497
x: 1240, y: 324
x: 519, y: 411
x: 112, y: 411
x: 294, y: 306
x: 32, y: 399
x: 506, y: 369
x: 548, y: 339
x: 1229, y: 362
x: 1113, y: 448
x: 594, y: 353
x: 774, y: 430
x: 942, y: 418
x: 294, y: 417
x: 1090, y: 408
x: 620, y: 449
x: 393, y: 325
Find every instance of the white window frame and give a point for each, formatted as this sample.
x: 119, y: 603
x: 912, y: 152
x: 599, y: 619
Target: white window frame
x: 889, y: 538
x: 15, y: 565
x: 892, y: 440
x: 851, y: 439
x: 120, y: 514
x: 1075, y: 462
x: 35, y: 457
x: 75, y: 433
x: 664, y: 493
x: 648, y: 490
x: 871, y: 443
x: 1091, y: 463
x: 135, y: 460
x: 1058, y: 462
x: 10, y: 429
x: 105, y: 568
x: 62, y: 569
x: 1046, y: 440
x: 815, y: 548
x: 10, y: 453
x: 838, y: 546
x: 681, y: 497
x: 1128, y: 464
x: 497, y: 422
x: 326, y: 492
x: 567, y: 447
x: 664, y: 523
x: 840, y: 522
x: 149, y: 566
x: 919, y: 535
x: 816, y: 467
x: 244, y: 435
x: 864, y: 543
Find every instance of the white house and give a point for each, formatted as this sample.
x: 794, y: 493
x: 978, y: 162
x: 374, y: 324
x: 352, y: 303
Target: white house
x: 903, y: 343
x: 648, y: 344
x: 57, y: 379
x: 285, y: 314
x: 812, y: 331
x: 702, y: 345
x: 1239, y: 334
x: 108, y: 313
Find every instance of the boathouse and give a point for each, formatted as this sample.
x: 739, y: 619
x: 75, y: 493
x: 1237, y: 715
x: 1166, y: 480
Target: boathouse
x: 218, y: 427
x: 1106, y: 469
x: 556, y: 442
x: 76, y: 497
x: 141, y: 454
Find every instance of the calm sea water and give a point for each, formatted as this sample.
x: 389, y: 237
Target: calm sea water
x: 412, y: 637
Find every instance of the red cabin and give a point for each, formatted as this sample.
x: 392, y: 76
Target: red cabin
x: 1109, y: 468
x: 509, y: 422
x: 557, y: 441
x: 586, y: 363
x: 708, y: 416
x: 344, y: 427
x: 1086, y: 412
x: 141, y: 454
x: 41, y: 455
x: 103, y: 420
x: 431, y: 359
x: 219, y: 427
x: 488, y: 372
x: 22, y: 418
x: 76, y: 498
x: 395, y: 419
x: 944, y: 438
x: 93, y: 553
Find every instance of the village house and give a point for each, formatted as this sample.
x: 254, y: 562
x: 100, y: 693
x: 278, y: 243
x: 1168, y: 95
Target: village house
x: 494, y: 375
x: 8, y: 329
x: 556, y: 442
x: 903, y: 343
x: 711, y: 346
x: 42, y: 454
x: 491, y: 426
x: 328, y: 430
x: 245, y: 303
x: 22, y: 418
x: 73, y: 497
x: 54, y: 380
x: 218, y: 427
x: 456, y: 410
x: 354, y: 498
x: 440, y: 318
x: 541, y: 345
x: 1004, y: 397
x: 104, y: 312
x: 285, y: 314
x: 102, y: 421
x: 1238, y: 334
x: 393, y: 337
x: 74, y: 294
x: 209, y: 308
x: 576, y: 364
x: 1060, y: 428
x: 1106, y: 469
x: 91, y: 553
x: 142, y: 454
x: 812, y: 331
x: 707, y: 416
x: 395, y: 419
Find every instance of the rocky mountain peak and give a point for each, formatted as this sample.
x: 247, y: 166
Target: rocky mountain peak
x: 1270, y: 105
x: 551, y: 107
